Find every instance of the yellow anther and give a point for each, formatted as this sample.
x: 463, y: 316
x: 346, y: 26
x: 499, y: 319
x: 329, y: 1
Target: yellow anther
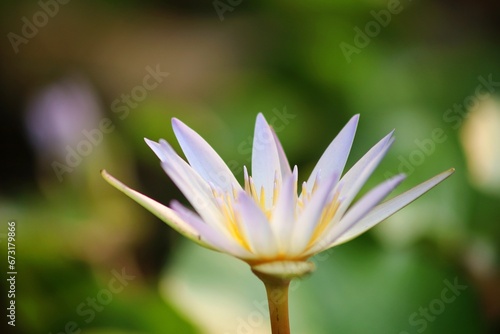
x: 230, y: 217
x: 275, y: 192
x: 262, y: 198
x: 326, y: 217
x: 253, y: 192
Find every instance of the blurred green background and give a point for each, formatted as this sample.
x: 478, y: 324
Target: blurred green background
x: 83, y: 82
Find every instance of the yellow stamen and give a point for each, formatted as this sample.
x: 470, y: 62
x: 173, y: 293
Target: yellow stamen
x: 216, y: 195
x: 275, y: 192
x: 247, y: 183
x: 315, y: 185
x: 262, y: 201
x: 228, y: 212
x: 224, y: 203
x: 253, y: 192
x: 326, y: 217
x: 304, y: 190
x: 235, y: 193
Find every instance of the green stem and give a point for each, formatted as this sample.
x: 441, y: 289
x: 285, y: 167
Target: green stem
x: 277, y: 296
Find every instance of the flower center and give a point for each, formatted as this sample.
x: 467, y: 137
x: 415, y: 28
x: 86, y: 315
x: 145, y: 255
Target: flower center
x: 226, y: 200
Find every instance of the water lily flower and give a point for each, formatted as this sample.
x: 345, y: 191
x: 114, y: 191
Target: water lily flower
x: 271, y: 222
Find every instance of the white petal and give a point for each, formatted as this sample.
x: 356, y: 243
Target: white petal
x: 156, y: 147
x: 283, y: 217
x: 210, y: 236
x: 349, y: 186
x: 203, y: 158
x: 359, y: 210
x: 356, y: 177
x: 285, y: 165
x: 161, y: 211
x: 335, y: 156
x: 190, y: 183
x: 255, y: 226
x: 308, y: 221
x: 386, y: 209
x: 353, y: 173
x: 265, y: 159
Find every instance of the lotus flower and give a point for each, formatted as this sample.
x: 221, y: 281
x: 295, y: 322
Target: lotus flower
x: 268, y: 222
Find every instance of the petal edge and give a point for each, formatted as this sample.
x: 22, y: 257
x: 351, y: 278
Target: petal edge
x: 159, y: 210
x: 388, y: 208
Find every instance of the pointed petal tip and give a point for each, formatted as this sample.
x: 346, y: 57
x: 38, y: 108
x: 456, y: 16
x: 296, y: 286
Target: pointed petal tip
x: 149, y: 141
x: 163, y: 143
x: 446, y: 173
x: 174, y: 204
x: 388, y: 208
x: 106, y: 175
x: 111, y: 179
x: 178, y: 125
x: 261, y: 119
x: 354, y: 120
x: 399, y: 178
